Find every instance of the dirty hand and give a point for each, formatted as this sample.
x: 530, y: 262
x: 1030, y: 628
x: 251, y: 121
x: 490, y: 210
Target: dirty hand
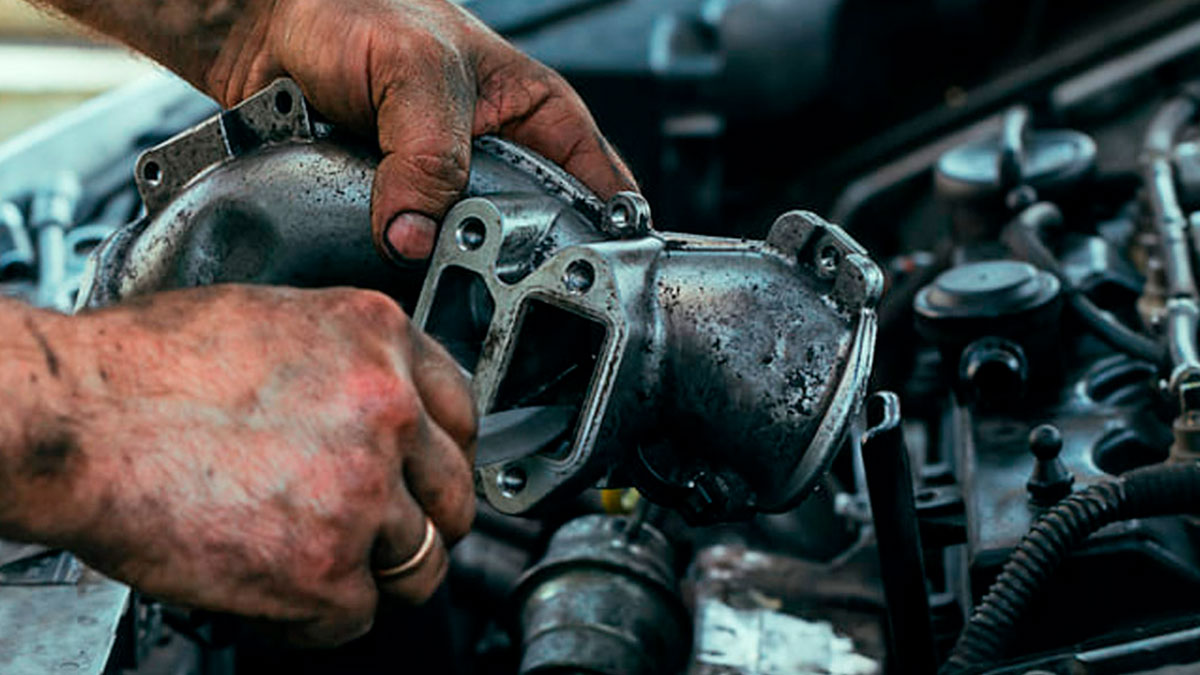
x: 271, y: 448
x: 425, y: 77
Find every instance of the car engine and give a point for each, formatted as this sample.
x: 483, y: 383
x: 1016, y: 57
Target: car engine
x: 875, y: 376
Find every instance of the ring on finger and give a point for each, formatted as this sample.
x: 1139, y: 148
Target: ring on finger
x: 415, y: 560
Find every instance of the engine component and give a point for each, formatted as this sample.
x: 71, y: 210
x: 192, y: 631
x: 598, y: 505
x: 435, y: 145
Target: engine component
x: 1051, y: 350
x: 758, y: 611
x: 1143, y: 493
x: 717, y: 375
x: 603, y: 600
x: 1170, y: 228
x: 977, y: 178
x: 893, y: 510
x: 991, y: 319
x: 1024, y: 237
x: 52, y: 213
x: 16, y: 249
x: 697, y: 368
x: 1051, y: 479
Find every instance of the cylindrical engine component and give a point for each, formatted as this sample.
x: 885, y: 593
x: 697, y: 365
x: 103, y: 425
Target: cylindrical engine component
x: 16, y: 249
x: 974, y: 179
x: 51, y: 214
x: 996, y: 322
x: 604, y: 600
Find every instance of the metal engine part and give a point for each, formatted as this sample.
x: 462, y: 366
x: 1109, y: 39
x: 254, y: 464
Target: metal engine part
x: 603, y: 600
x: 717, y: 375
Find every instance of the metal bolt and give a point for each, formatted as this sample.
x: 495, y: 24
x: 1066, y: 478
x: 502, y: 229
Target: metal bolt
x: 828, y: 259
x: 512, y: 481
x: 628, y: 214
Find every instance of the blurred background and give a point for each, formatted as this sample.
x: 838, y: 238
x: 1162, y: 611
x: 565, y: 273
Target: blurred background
x: 51, y: 65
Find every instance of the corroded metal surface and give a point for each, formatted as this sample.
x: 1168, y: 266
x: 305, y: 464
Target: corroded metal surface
x: 603, y: 600
x: 716, y: 375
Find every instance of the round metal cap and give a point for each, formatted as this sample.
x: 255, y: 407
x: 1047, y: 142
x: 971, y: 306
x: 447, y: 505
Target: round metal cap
x: 984, y: 289
x: 1052, y: 160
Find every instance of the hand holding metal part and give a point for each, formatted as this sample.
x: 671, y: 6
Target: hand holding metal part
x: 716, y: 375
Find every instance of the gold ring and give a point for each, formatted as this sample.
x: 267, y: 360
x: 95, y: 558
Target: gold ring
x: 416, y: 559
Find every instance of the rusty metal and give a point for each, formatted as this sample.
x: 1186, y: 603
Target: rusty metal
x: 603, y: 600
x: 718, y: 375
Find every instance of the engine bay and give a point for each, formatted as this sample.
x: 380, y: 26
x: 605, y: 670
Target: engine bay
x: 911, y: 390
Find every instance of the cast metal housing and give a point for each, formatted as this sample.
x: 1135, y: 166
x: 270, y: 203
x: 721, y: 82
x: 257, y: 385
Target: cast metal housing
x: 716, y: 375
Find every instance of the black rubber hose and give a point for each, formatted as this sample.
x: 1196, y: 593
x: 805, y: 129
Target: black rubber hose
x: 1023, y: 237
x: 1159, y: 490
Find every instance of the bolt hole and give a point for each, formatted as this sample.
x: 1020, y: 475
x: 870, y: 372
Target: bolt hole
x: 926, y: 495
x: 579, y: 277
x: 620, y: 216
x: 512, y: 481
x: 471, y: 234
x: 152, y: 172
x: 828, y: 259
x: 283, y: 103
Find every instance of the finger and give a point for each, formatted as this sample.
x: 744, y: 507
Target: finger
x: 401, y: 538
x: 532, y: 105
x: 352, y: 618
x: 444, y: 391
x: 439, y: 476
x: 425, y: 135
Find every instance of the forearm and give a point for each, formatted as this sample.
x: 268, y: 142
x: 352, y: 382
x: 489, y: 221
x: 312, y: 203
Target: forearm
x: 41, y: 464
x: 191, y: 37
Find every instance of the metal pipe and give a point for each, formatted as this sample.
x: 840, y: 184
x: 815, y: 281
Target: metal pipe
x: 16, y: 249
x: 1172, y: 229
x: 898, y: 536
x: 1023, y: 236
x: 1182, y: 322
x: 51, y: 214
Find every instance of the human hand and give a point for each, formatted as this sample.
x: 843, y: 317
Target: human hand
x: 260, y: 450
x: 425, y: 77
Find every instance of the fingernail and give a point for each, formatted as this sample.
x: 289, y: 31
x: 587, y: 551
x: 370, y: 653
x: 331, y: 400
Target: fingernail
x: 411, y: 236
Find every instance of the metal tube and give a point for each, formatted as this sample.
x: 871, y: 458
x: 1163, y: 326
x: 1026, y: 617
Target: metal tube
x: 1170, y: 225
x: 1023, y: 236
x: 894, y: 511
x: 1182, y: 321
x: 1172, y: 229
x: 51, y: 214
x: 16, y: 249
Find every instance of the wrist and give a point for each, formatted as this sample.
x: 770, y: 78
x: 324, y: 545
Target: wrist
x: 45, y: 467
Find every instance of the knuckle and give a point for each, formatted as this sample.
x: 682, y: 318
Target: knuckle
x: 443, y: 161
x: 396, y: 401
x: 376, y: 306
x: 419, y: 45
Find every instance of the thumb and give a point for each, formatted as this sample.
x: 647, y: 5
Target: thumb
x: 426, y: 163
